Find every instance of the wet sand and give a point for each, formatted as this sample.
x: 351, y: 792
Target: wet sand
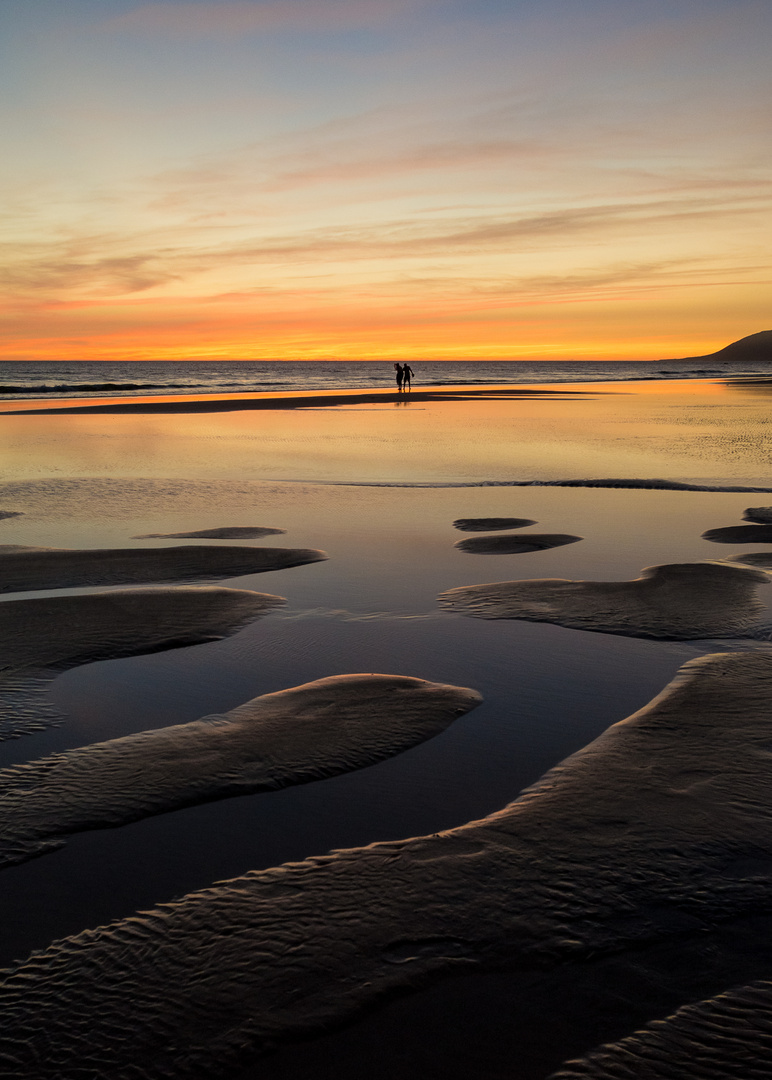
x: 680, y: 600
x: 669, y: 802
x: 294, y: 737
x: 23, y: 569
x: 640, y: 492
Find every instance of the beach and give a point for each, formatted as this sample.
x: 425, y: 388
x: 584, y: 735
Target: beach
x: 364, y: 489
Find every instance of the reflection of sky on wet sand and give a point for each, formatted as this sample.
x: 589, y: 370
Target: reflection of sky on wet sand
x: 695, y: 430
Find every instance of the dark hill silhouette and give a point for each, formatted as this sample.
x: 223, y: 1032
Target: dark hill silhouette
x: 747, y: 350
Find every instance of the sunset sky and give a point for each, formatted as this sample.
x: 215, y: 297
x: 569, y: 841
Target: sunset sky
x: 376, y: 178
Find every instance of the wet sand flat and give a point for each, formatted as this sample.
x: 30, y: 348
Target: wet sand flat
x: 32, y: 568
x: 292, y: 737
x: 681, y: 600
x: 41, y: 637
x: 638, y: 489
x: 667, y: 799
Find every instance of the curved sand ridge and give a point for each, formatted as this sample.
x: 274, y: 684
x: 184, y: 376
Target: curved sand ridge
x: 740, y: 534
x: 10, y: 514
x: 307, y: 733
x: 514, y: 545
x: 761, y: 559
x: 41, y: 637
x: 232, y: 532
x: 760, y: 514
x: 676, y: 601
x: 25, y: 568
x: 642, y: 835
x: 728, y: 1037
x: 490, y: 524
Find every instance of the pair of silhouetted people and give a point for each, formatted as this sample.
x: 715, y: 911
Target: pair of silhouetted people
x: 404, y: 375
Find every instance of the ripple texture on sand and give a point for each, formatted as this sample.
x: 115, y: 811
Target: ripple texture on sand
x: 307, y: 733
x: 642, y: 835
x: 728, y: 1037
x: 677, y: 601
x: 27, y: 568
x: 41, y: 637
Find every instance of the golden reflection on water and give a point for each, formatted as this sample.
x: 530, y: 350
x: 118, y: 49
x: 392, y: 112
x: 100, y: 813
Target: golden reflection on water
x: 677, y: 430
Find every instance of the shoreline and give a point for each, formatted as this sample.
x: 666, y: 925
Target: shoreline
x: 169, y: 403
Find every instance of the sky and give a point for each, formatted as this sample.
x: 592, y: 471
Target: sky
x: 356, y: 179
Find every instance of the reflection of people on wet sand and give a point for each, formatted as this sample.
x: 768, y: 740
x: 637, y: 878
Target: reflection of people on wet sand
x: 400, y: 375
x: 407, y: 374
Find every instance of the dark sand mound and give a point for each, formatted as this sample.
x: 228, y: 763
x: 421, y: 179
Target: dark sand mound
x: 726, y: 1038
x: 24, y: 568
x: 639, y: 837
x: 10, y: 514
x: 514, y: 545
x: 307, y: 733
x: 40, y: 638
x: 762, y: 559
x: 740, y: 534
x: 749, y: 349
x: 676, y: 601
x: 233, y: 532
x: 760, y: 514
x: 491, y: 524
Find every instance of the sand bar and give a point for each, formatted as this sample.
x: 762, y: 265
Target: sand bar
x: 675, y: 601
x: 491, y: 524
x: 514, y: 545
x: 44, y: 636
x: 762, y: 515
x: 641, y: 836
x: 728, y: 1037
x: 310, y: 732
x: 761, y: 559
x: 26, y: 568
x: 228, y: 532
x: 740, y: 534
x: 298, y: 400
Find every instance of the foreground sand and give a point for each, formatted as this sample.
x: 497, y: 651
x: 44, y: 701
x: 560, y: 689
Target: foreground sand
x: 669, y: 802
x: 293, y: 737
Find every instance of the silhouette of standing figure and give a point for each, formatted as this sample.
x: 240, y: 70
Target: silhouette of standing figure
x: 407, y: 373
x: 400, y: 376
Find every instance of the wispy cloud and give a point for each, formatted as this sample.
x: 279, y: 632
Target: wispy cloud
x: 123, y: 264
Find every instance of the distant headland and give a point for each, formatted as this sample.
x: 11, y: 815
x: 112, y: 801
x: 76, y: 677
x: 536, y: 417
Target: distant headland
x: 749, y: 349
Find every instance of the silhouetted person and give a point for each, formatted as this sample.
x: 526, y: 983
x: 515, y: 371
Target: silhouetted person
x: 407, y: 373
x: 400, y: 375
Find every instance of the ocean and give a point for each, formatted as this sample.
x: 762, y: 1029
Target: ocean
x: 85, y: 378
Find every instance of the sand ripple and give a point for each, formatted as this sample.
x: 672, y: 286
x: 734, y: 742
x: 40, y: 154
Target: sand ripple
x: 762, y: 559
x: 760, y: 514
x: 676, y: 601
x: 642, y: 835
x: 26, y: 568
x: 514, y: 545
x: 232, y: 532
x: 313, y: 731
x: 41, y: 637
x: 491, y: 524
x: 728, y: 1037
x: 740, y: 534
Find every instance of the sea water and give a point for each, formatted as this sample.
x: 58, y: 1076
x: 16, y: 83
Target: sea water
x: 85, y: 378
